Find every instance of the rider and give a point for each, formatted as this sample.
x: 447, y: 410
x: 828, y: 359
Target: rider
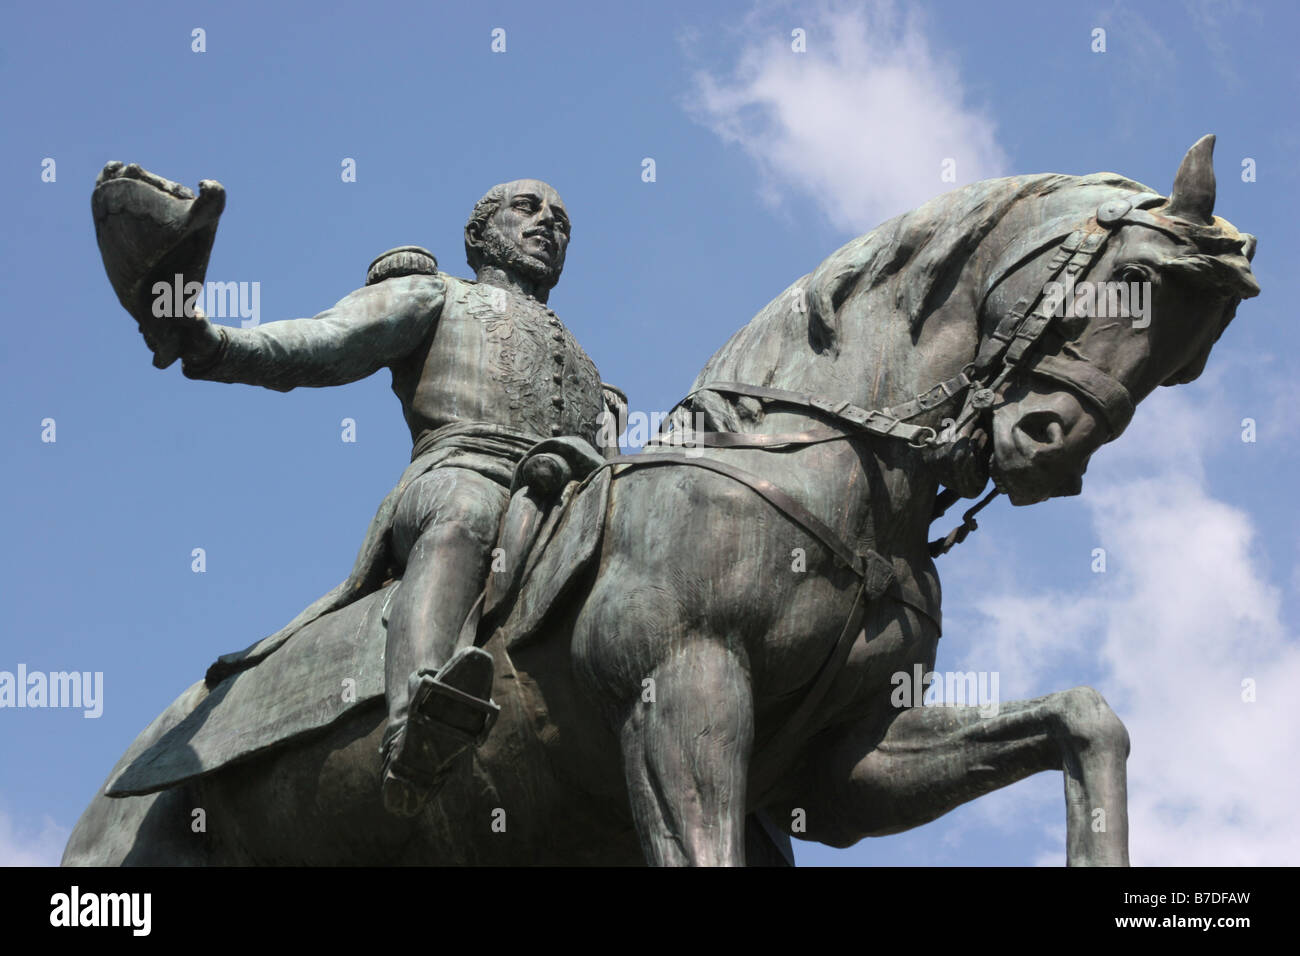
x: 484, y: 370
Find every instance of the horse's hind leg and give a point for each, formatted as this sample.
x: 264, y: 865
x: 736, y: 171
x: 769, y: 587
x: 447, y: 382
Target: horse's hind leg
x: 686, y: 757
x: 929, y: 760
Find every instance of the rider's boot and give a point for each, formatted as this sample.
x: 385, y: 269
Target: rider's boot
x: 447, y: 713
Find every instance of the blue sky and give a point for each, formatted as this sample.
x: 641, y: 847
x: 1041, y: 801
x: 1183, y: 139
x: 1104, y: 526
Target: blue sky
x: 766, y: 161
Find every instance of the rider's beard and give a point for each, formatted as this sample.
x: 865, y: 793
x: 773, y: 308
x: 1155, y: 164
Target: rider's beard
x: 506, y: 255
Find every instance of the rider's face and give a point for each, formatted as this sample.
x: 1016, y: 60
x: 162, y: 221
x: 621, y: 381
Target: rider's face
x: 533, y: 221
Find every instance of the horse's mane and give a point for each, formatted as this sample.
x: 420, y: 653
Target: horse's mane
x: 913, y: 258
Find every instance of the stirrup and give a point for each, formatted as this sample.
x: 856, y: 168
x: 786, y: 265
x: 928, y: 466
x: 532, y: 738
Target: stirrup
x: 457, y: 700
x: 445, y: 718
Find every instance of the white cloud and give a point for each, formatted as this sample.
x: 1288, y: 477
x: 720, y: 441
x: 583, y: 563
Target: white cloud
x: 31, y: 847
x: 1213, y: 21
x: 1027, y: 629
x: 861, y: 123
x: 1186, y: 613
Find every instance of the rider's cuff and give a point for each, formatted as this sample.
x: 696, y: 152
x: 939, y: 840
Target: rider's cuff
x: 191, y: 369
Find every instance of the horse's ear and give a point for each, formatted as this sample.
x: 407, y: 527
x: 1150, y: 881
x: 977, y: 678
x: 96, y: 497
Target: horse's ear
x: 1192, y: 197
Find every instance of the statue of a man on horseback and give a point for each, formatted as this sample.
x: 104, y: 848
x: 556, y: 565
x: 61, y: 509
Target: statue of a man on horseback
x: 484, y: 370
x: 673, y: 687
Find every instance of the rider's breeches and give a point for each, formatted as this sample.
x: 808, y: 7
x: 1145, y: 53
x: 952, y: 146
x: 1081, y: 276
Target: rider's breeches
x: 446, y: 527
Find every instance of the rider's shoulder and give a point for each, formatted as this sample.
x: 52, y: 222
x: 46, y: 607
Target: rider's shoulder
x: 401, y: 262
x: 412, y: 270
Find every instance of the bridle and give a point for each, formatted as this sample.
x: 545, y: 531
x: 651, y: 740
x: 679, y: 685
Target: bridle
x: 1013, y: 347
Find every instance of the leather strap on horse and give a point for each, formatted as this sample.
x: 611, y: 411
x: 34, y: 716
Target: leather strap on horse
x: 959, y: 534
x: 773, y: 495
x: 1107, y: 393
x: 888, y: 422
x: 745, y: 440
x: 875, y: 569
x: 1021, y: 328
x: 850, y: 417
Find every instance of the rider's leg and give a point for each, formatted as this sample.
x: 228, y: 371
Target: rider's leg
x: 446, y: 524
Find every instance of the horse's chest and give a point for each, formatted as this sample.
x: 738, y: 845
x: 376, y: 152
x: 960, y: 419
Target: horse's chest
x: 896, y: 641
x: 852, y: 667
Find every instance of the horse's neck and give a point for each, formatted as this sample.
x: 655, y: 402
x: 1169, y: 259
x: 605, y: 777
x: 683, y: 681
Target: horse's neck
x: 898, y: 365
x: 875, y: 491
x: 876, y: 363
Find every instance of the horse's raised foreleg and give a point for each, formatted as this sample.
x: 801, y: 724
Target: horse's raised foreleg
x: 871, y: 781
x: 686, y: 746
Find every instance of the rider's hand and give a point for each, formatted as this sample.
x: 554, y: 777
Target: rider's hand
x: 201, y: 340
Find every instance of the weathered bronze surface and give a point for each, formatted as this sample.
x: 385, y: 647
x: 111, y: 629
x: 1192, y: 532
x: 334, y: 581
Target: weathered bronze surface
x: 694, y: 650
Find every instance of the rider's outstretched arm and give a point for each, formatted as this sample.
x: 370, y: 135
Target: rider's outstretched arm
x: 364, y: 332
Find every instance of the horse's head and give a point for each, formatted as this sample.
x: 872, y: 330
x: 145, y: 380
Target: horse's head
x: 1135, y: 298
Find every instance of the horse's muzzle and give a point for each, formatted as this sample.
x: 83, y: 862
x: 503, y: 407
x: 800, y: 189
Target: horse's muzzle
x: 1042, y: 442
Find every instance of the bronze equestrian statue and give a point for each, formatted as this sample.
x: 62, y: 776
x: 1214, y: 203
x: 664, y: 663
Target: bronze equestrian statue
x: 694, y: 648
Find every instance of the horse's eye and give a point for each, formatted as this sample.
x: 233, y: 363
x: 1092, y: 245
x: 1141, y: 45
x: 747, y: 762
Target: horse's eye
x: 1134, y: 274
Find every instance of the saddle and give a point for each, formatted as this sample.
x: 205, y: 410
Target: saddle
x: 551, y: 529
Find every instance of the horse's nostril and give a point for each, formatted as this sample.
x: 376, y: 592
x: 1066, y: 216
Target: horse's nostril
x: 1043, y: 428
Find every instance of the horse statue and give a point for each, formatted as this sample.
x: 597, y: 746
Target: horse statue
x: 701, y: 658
